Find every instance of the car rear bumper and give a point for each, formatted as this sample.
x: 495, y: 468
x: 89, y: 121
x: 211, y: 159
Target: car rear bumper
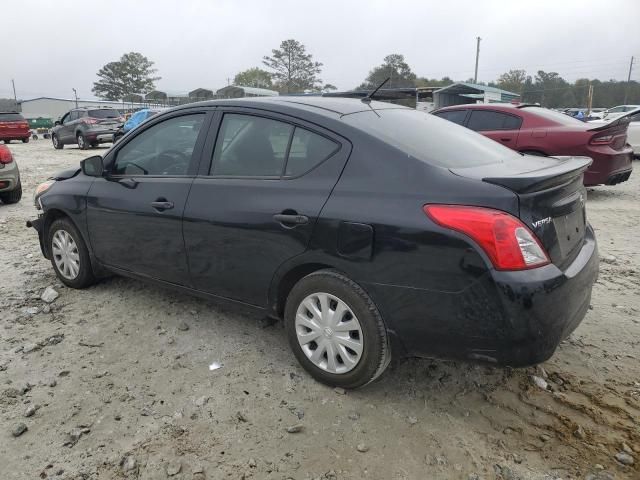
x: 11, y: 134
x: 100, y: 137
x: 509, y: 318
x: 609, y: 166
x: 9, y: 177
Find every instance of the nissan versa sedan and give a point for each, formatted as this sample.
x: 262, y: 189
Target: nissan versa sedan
x: 535, y: 130
x: 372, y: 230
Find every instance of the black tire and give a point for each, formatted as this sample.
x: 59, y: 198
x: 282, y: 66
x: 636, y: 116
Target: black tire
x: 376, y: 352
x: 81, y: 141
x: 85, y: 277
x: 13, y: 196
x: 7, y: 142
x: 25, y: 140
x: 57, y: 144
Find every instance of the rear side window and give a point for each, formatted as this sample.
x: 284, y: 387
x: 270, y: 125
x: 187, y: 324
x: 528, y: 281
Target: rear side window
x: 104, y: 113
x: 11, y: 117
x: 455, y: 116
x: 251, y: 146
x: 483, y: 120
x: 307, y: 150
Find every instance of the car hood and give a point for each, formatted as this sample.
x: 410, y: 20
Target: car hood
x: 66, y: 174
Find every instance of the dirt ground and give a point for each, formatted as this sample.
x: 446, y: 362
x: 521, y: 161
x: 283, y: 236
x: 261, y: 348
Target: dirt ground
x: 115, y: 382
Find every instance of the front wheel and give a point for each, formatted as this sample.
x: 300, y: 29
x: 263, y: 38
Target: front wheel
x: 57, y: 144
x: 335, y: 330
x: 69, y: 254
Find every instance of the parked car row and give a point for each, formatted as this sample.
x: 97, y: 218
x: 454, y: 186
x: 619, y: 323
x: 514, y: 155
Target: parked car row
x: 373, y: 230
x: 534, y: 130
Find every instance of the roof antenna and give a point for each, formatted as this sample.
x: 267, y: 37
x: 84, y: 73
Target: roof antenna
x: 368, y: 98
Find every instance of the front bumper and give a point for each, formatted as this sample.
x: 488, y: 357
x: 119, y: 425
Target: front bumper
x: 38, y: 225
x: 509, y: 318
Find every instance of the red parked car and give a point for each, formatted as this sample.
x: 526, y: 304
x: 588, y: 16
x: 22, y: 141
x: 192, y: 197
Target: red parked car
x: 13, y: 126
x: 535, y: 130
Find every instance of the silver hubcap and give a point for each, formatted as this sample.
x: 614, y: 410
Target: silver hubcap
x: 65, y: 254
x: 55, y: 141
x: 329, y: 333
x: 80, y: 141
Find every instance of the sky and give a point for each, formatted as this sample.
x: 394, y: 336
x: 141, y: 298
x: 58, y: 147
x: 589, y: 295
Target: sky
x: 60, y: 45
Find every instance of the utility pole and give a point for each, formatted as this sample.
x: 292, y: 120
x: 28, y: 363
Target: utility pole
x: 75, y: 94
x: 626, y: 90
x: 589, y: 99
x: 475, y: 76
x: 14, y: 91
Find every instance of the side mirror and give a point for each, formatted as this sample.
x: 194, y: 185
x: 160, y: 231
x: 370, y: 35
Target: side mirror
x: 57, y: 122
x: 92, y: 166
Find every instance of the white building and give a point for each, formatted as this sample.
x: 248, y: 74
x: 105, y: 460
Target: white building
x: 54, y: 108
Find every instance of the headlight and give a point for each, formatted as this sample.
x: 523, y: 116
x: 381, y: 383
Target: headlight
x: 40, y: 189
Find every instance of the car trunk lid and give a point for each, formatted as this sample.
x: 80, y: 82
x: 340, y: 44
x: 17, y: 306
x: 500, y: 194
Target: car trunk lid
x: 551, y: 198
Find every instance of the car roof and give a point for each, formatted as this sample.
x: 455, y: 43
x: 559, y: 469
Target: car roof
x: 328, y: 106
x: 94, y: 108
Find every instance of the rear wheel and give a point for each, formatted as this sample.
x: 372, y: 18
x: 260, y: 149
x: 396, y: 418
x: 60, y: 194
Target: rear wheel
x: 82, y: 142
x: 69, y: 254
x: 57, y: 144
x: 25, y: 140
x: 336, y: 331
x: 7, y: 142
x: 13, y: 196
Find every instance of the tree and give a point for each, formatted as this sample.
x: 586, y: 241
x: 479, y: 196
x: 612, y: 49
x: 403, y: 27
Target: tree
x: 329, y: 87
x: 512, y: 81
x: 293, y: 68
x: 254, y: 77
x: 133, y: 73
x: 393, y: 67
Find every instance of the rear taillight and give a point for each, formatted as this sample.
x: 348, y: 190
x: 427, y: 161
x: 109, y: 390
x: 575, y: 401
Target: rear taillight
x: 601, y: 140
x: 24, y: 125
x: 5, y: 155
x: 89, y: 120
x: 508, y: 243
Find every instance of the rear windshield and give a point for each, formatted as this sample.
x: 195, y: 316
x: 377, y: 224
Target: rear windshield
x: 554, y: 116
x: 104, y: 113
x: 431, y: 139
x: 11, y: 117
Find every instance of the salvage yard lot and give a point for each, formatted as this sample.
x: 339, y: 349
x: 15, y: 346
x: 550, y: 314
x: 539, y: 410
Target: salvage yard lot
x: 120, y: 379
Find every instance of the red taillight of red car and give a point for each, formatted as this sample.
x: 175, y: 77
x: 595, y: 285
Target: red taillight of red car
x: 5, y: 155
x: 601, y: 139
x: 508, y: 243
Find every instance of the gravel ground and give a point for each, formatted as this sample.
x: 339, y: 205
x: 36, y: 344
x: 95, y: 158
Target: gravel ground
x: 115, y: 382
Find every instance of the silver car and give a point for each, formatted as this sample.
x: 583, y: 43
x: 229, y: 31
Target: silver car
x: 10, y: 187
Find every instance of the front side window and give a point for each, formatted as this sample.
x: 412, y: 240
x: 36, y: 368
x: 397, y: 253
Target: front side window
x: 72, y: 116
x: 164, y: 149
x: 486, y: 120
x: 455, y: 116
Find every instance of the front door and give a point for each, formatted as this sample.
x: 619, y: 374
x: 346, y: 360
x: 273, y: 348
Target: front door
x: 134, y: 213
x: 257, y: 203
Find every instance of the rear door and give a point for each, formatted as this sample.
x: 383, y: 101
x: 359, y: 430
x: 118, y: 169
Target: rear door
x: 255, y: 202
x: 498, y: 126
x: 134, y: 212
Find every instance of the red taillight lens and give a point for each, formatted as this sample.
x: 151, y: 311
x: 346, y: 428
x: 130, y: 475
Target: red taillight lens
x: 24, y: 125
x: 5, y: 155
x: 508, y: 243
x: 90, y: 120
x: 601, y: 140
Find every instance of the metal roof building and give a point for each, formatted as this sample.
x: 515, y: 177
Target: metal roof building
x: 238, y: 91
x: 461, y: 93
x: 52, y: 107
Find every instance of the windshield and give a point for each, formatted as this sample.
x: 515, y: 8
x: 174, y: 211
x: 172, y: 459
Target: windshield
x: 11, y: 117
x: 430, y: 139
x: 104, y: 113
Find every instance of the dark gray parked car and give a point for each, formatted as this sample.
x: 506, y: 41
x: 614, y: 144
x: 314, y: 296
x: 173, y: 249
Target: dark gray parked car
x: 86, y: 127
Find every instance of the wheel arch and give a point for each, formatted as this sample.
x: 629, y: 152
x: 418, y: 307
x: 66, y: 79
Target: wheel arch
x: 285, y: 280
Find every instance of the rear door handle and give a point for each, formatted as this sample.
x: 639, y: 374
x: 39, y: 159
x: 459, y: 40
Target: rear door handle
x: 162, y: 205
x: 291, y: 220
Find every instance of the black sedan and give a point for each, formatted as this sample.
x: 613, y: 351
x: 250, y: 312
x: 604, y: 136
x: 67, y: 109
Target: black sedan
x: 372, y: 230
